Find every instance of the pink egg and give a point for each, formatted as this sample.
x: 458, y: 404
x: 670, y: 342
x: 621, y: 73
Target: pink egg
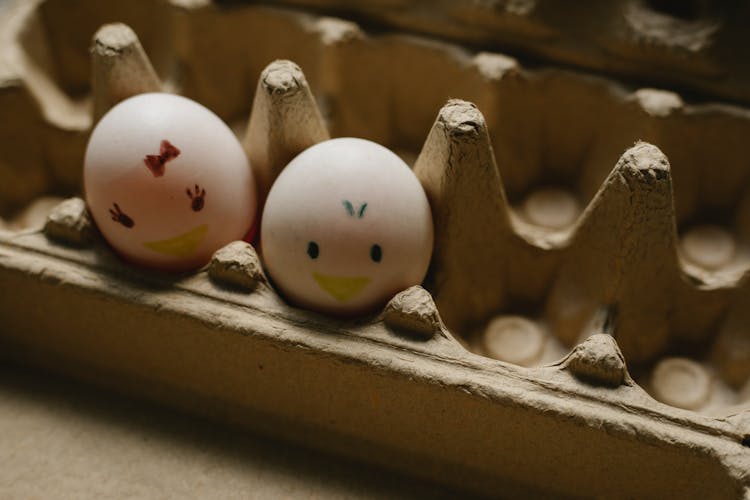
x: 345, y: 227
x: 167, y: 182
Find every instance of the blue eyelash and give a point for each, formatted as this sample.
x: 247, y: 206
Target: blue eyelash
x: 349, y: 207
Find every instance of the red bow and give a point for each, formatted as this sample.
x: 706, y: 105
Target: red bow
x: 155, y: 163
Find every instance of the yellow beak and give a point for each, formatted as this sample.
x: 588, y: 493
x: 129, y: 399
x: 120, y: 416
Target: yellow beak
x: 341, y: 288
x: 181, y: 245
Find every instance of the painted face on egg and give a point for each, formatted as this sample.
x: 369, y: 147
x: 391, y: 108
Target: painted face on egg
x: 345, y: 227
x: 167, y: 182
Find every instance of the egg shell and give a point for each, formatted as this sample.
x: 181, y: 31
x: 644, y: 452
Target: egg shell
x: 167, y: 182
x: 346, y: 195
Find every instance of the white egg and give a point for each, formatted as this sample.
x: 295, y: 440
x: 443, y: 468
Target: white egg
x: 345, y: 227
x: 167, y: 182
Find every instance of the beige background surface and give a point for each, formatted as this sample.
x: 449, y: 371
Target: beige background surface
x: 60, y: 440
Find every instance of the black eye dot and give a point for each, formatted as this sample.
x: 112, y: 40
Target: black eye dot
x: 312, y: 250
x: 376, y: 253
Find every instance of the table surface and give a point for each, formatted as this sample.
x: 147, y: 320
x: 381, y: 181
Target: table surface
x: 61, y: 440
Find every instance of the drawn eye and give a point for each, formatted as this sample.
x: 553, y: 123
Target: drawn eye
x: 312, y: 250
x: 197, y: 198
x: 120, y: 217
x: 376, y: 253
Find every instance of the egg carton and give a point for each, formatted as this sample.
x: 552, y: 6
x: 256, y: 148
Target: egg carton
x: 700, y: 45
x: 546, y: 257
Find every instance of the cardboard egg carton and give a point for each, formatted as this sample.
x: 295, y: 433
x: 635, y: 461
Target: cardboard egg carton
x: 558, y: 269
x: 699, y: 45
